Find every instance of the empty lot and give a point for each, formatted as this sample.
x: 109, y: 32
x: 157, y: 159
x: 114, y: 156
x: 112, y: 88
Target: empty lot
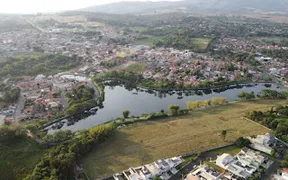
x: 145, y: 142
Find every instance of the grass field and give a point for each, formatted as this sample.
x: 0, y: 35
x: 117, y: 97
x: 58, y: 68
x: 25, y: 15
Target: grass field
x: 136, y: 67
x: 201, y: 43
x: 147, y: 41
x: 18, y: 158
x: 148, y: 141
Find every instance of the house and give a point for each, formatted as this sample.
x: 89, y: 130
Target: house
x: 224, y: 160
x: 227, y: 162
x: 150, y: 171
x: 205, y: 172
x: 248, y: 157
x: 263, y: 143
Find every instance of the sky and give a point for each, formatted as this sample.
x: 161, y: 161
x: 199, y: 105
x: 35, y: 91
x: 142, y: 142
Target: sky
x: 34, y: 6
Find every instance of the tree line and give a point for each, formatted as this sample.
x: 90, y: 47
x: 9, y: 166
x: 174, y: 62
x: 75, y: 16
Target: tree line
x: 64, y: 148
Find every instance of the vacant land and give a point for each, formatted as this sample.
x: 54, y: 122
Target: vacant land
x: 201, y: 43
x: 18, y: 157
x: 146, y: 142
x: 149, y: 41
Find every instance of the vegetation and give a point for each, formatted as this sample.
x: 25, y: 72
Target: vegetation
x: 147, y: 141
x: 148, y: 41
x: 274, y: 119
x: 174, y: 109
x: 126, y: 113
x: 219, y: 100
x: 37, y: 63
x: 59, y: 161
x: 80, y: 99
x: 246, y: 96
x: 11, y: 95
x: 243, y: 142
x: 284, y: 162
x: 18, y: 153
x: 223, y: 134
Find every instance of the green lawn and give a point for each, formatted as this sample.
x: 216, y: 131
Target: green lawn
x: 136, y: 67
x: 202, y: 43
x: 145, y: 142
x: 149, y: 41
x: 18, y: 158
x: 232, y: 150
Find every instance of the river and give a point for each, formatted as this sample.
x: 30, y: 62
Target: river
x: 118, y: 99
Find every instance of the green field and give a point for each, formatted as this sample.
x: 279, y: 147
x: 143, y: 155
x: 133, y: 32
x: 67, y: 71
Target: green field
x: 146, y: 142
x: 202, y: 43
x: 18, y: 158
x: 149, y: 41
x: 232, y: 150
x: 136, y: 67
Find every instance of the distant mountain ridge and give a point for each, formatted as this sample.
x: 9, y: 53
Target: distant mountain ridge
x: 236, y: 6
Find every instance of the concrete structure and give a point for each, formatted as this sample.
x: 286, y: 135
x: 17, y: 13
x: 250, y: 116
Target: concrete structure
x: 227, y: 162
x: 264, y: 143
x: 147, y: 172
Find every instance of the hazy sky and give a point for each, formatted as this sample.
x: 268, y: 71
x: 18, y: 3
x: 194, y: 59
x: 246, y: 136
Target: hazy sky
x: 33, y: 6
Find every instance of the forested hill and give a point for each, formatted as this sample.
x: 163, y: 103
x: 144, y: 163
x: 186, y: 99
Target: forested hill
x: 37, y: 63
x: 231, y: 6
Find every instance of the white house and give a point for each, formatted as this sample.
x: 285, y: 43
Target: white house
x: 263, y: 143
x: 227, y: 162
x: 248, y: 157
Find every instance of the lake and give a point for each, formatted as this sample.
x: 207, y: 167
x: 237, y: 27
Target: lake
x: 118, y: 99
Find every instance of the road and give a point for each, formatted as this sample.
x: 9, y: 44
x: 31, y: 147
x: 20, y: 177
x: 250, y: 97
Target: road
x: 63, y: 101
x: 20, y: 107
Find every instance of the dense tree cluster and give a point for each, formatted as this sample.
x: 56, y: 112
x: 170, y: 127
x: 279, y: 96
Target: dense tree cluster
x: 80, y: 99
x: 246, y: 96
x: 274, y: 119
x: 38, y: 63
x: 59, y: 161
x: 11, y: 94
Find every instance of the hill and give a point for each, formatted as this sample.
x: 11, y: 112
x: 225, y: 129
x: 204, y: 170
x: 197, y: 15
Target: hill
x: 221, y: 6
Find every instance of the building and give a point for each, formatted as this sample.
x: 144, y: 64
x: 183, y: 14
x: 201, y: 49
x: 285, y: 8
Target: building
x: 264, y: 143
x: 227, y: 162
x: 248, y: 157
x: 158, y: 168
x: 204, y: 172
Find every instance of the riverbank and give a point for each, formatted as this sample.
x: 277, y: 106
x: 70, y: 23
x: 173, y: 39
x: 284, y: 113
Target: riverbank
x: 147, y: 141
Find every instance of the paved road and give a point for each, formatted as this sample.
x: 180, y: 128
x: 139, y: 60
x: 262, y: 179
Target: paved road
x: 20, y: 106
x: 63, y: 100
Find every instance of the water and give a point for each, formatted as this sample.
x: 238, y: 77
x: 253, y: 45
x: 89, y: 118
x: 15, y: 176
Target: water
x: 118, y: 99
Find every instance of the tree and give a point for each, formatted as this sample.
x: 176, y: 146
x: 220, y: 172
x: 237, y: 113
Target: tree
x: 126, y: 113
x: 206, y: 103
x: 243, y: 142
x: 246, y: 96
x: 218, y: 100
x: 223, y: 134
x: 173, y: 108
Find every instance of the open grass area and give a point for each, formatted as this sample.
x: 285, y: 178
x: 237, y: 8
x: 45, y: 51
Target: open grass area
x: 202, y: 43
x: 145, y: 142
x: 232, y: 150
x: 18, y: 158
x: 136, y: 67
x: 147, y: 41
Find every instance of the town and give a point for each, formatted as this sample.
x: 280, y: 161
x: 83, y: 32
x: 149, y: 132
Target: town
x: 101, y: 93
